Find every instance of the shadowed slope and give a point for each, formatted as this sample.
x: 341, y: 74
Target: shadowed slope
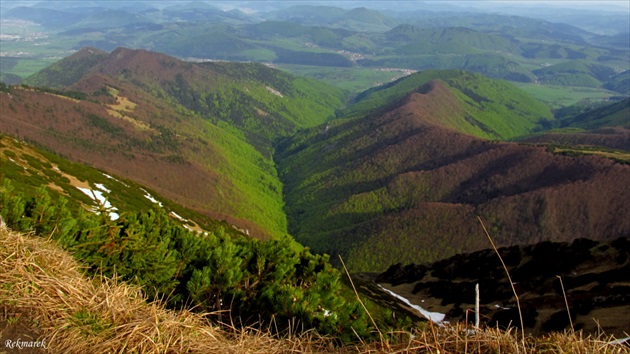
x: 594, y: 280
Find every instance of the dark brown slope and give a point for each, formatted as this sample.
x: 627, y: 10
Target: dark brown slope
x: 595, y: 280
x: 400, y: 186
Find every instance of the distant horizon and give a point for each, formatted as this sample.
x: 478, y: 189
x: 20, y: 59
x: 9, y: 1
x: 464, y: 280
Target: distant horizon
x: 615, y: 4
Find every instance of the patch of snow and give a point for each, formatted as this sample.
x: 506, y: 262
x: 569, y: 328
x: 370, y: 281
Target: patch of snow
x: 621, y: 341
x: 102, y: 187
x: 115, y: 179
x: 97, y: 196
x: 433, y: 316
x: 179, y: 217
x: 152, y: 199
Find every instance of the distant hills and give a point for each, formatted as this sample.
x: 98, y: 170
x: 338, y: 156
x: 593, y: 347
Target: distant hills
x: 398, y: 173
x: 303, y: 37
x: 357, y: 19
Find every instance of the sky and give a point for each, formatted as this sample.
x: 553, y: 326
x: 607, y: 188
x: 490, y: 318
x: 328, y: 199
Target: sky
x: 619, y: 4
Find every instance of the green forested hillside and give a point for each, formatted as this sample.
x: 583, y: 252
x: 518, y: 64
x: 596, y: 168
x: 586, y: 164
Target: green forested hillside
x: 619, y: 83
x: 485, y: 103
x: 616, y: 114
x: 68, y: 71
x: 358, y: 19
x: 212, y: 122
x: 575, y: 73
x: 406, y: 174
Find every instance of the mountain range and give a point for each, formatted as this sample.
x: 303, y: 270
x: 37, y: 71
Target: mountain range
x: 407, y: 179
x: 497, y: 44
x: 399, y: 173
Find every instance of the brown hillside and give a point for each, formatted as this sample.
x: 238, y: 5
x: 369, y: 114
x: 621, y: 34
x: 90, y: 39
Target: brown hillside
x: 404, y: 186
x: 147, y: 68
x: 178, y: 166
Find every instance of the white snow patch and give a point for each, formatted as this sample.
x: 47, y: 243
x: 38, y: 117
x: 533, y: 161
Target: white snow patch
x: 433, y: 316
x: 115, y: 179
x: 97, y: 196
x: 152, y: 199
x: 621, y: 341
x: 178, y: 217
x: 102, y: 187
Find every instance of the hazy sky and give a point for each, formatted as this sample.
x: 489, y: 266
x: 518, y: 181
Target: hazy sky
x: 563, y: 3
x: 618, y: 4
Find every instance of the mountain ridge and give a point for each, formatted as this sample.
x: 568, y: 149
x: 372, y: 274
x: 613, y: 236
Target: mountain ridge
x: 402, y: 164
x: 215, y: 125
x: 398, y: 182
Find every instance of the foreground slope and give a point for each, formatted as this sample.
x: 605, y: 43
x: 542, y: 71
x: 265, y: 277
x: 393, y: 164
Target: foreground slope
x: 401, y: 182
x: 31, y: 170
x: 198, y: 134
x: 46, y: 296
x: 594, y: 278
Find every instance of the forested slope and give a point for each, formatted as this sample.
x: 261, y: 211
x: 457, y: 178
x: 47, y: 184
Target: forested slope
x: 405, y: 181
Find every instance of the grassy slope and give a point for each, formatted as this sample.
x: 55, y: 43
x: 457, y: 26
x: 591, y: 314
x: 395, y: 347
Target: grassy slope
x: 65, y: 72
x: 29, y: 168
x: 486, y: 103
x: 602, y: 129
x: 616, y: 114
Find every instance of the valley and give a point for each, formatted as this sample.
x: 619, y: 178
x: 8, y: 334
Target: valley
x: 273, y: 150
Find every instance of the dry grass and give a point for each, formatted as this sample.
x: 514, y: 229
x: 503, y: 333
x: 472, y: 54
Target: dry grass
x: 75, y: 314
